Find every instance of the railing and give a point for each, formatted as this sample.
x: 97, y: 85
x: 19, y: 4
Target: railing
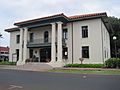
x: 42, y: 42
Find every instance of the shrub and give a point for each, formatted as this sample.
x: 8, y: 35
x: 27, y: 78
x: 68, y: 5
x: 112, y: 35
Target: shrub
x: 112, y: 63
x: 85, y: 65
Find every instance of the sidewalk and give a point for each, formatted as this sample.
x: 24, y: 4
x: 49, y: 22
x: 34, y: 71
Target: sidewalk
x: 28, y: 67
x: 44, y: 67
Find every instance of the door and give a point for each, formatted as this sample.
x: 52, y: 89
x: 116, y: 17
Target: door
x: 45, y: 55
x: 42, y: 55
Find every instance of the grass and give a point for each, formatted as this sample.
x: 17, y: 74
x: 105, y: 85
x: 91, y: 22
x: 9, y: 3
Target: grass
x: 7, y: 63
x: 98, y: 72
x: 85, y: 65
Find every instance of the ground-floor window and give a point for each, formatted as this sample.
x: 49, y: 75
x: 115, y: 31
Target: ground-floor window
x: 31, y: 53
x: 85, y: 51
x: 17, y: 53
x: 65, y: 53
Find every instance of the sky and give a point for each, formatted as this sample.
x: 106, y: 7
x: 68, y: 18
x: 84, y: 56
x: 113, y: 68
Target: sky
x: 12, y: 11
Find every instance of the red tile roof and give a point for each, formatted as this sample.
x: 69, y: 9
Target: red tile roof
x: 67, y: 18
x: 86, y: 15
x: 62, y: 14
x: 4, y: 49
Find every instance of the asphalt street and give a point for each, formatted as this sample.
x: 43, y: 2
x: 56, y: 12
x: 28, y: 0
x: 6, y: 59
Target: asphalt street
x: 29, y: 80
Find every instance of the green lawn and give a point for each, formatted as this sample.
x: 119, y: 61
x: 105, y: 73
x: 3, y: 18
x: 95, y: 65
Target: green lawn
x: 7, y: 63
x: 99, y: 72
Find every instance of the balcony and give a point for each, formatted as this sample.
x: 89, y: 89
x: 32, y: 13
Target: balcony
x: 39, y: 43
x: 42, y: 43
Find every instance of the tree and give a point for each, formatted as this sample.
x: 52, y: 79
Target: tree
x: 115, y: 23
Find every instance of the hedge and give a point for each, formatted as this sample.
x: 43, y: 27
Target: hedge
x: 113, y: 63
x: 85, y: 65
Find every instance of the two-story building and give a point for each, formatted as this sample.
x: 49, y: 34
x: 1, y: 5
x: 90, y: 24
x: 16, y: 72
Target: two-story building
x: 59, y: 39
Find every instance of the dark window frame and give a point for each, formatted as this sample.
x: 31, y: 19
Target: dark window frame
x: 46, y: 37
x: 17, y: 53
x: 84, y: 31
x: 65, y: 49
x: 85, y: 52
x: 65, y: 34
x: 17, y: 39
x: 31, y: 37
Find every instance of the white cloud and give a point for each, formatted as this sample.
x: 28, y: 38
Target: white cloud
x: 16, y: 10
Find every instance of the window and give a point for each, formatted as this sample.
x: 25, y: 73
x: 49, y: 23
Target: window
x: 65, y: 34
x: 17, y: 53
x: 85, y: 51
x: 105, y: 54
x: 65, y: 53
x: 31, y: 37
x: 84, y: 31
x: 17, y: 38
x: 46, y: 35
x: 31, y: 53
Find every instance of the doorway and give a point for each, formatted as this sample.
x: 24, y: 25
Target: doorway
x: 45, y: 55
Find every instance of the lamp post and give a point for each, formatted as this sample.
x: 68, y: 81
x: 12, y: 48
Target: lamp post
x: 114, y: 38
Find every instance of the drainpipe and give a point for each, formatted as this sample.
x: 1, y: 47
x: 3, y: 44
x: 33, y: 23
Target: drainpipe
x: 72, y: 44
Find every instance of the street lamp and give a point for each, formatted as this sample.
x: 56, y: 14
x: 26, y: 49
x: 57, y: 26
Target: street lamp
x: 114, y: 38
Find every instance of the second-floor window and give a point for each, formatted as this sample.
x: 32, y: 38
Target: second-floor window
x: 17, y: 38
x: 46, y: 36
x: 84, y: 31
x: 65, y: 34
x: 31, y: 37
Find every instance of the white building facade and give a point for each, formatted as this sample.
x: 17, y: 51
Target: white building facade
x: 58, y: 40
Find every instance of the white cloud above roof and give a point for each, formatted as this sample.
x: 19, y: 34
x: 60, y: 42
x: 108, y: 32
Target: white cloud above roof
x: 19, y: 10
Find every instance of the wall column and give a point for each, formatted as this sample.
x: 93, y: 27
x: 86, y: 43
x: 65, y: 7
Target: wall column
x: 25, y: 50
x: 20, y: 47
x: 59, y: 41
x: 53, y: 47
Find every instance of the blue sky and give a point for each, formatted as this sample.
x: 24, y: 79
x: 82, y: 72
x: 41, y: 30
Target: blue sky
x: 12, y: 11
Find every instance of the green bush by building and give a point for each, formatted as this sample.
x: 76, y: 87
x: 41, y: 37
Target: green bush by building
x: 113, y: 63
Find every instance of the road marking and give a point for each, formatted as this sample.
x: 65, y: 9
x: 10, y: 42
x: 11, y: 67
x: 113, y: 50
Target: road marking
x: 84, y: 76
x: 14, y: 86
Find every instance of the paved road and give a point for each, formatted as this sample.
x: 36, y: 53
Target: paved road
x: 28, y: 80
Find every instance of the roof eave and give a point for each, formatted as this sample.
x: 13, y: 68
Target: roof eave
x: 12, y: 29
x: 41, y: 19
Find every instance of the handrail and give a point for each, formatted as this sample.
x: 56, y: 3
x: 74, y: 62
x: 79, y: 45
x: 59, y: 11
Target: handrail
x: 43, y: 41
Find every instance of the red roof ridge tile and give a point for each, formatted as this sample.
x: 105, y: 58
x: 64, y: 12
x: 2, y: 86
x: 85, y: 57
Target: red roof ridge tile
x: 86, y: 15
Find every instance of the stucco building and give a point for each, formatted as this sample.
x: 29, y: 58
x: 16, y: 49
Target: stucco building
x: 60, y: 39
